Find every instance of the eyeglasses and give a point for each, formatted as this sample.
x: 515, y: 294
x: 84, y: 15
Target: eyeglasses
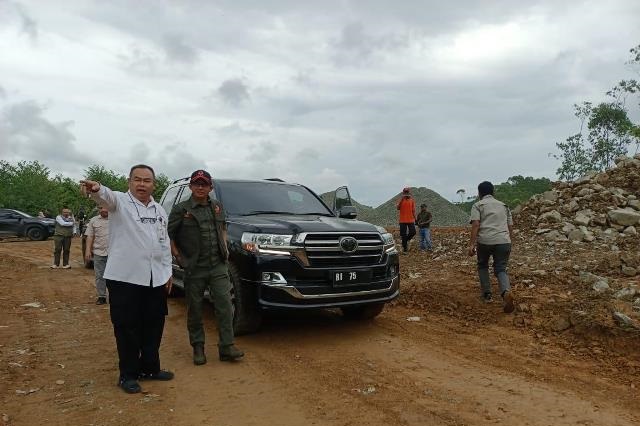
x: 143, y: 219
x: 200, y: 185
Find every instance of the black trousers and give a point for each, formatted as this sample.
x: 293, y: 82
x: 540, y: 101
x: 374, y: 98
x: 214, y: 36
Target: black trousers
x: 137, y: 315
x: 407, y: 232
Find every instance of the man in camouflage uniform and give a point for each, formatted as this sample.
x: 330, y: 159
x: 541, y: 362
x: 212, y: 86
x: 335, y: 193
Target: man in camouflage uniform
x: 198, y: 236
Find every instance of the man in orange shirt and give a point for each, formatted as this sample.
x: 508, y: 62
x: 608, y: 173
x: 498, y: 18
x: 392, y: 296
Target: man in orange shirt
x: 407, y: 207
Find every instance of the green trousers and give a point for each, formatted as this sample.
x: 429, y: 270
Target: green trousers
x: 216, y: 280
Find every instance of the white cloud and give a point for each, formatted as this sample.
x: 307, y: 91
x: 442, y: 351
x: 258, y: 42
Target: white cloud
x: 371, y: 94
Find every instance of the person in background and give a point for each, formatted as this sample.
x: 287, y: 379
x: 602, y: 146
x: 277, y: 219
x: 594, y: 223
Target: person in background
x: 491, y: 236
x: 97, y: 247
x: 41, y: 215
x: 198, y: 233
x: 62, y: 238
x: 407, y: 207
x: 81, y: 218
x: 424, y: 222
x: 138, y: 274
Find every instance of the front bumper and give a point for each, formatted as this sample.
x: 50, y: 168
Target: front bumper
x: 304, y: 287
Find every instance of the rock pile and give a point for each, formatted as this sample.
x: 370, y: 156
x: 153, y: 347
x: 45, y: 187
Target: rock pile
x: 600, y: 209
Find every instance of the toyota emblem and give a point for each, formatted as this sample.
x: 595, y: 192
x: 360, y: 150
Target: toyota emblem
x: 348, y: 244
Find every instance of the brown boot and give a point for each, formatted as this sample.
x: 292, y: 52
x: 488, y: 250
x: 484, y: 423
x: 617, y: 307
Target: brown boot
x: 229, y: 353
x: 199, y: 357
x: 507, y: 299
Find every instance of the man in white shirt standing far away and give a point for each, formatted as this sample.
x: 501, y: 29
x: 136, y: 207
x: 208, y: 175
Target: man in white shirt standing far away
x: 62, y: 238
x: 138, y: 274
x: 97, y: 247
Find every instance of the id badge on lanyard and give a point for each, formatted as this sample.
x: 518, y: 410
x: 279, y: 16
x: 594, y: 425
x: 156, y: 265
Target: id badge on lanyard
x: 160, y: 230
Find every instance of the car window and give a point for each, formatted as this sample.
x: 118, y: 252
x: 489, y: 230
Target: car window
x: 186, y: 193
x: 169, y: 198
x: 241, y: 198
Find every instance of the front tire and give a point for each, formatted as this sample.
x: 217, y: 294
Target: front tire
x: 362, y: 312
x: 247, y: 315
x: 36, y: 234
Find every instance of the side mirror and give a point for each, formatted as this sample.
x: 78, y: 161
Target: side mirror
x: 347, y: 212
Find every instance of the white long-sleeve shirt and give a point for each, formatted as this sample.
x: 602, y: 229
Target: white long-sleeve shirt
x: 64, y: 221
x: 139, y: 251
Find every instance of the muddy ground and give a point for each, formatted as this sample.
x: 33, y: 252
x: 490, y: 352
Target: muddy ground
x: 461, y: 363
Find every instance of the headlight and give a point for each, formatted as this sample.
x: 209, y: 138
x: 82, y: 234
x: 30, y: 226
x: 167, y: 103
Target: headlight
x: 387, y: 239
x: 266, y: 243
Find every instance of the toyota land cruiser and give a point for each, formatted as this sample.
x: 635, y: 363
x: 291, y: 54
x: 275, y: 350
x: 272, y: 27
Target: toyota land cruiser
x: 288, y: 249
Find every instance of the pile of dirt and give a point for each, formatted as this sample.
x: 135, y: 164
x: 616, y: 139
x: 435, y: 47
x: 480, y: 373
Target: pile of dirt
x: 601, y: 210
x: 574, y: 267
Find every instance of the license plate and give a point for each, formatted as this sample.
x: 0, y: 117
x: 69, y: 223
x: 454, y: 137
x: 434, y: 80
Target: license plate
x: 350, y: 277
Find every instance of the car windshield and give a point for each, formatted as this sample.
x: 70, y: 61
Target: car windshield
x: 255, y: 198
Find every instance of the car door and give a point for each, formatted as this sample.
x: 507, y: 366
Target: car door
x: 10, y: 222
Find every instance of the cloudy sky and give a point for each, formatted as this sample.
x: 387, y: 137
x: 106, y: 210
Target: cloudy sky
x: 375, y: 94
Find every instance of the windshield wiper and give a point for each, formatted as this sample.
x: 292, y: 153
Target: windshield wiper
x: 254, y: 212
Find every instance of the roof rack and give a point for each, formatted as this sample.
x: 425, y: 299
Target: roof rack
x: 275, y: 179
x: 179, y: 180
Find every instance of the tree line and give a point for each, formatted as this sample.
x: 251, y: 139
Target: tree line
x: 516, y: 190
x: 31, y: 187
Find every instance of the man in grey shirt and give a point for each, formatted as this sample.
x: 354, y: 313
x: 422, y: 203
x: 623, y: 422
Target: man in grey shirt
x: 491, y: 236
x: 97, y: 234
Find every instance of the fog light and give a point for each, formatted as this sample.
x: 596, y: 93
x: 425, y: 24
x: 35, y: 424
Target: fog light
x: 273, y: 278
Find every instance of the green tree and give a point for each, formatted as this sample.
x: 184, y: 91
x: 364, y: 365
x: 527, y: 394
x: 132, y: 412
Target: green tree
x: 461, y: 193
x: 26, y: 186
x: 162, y: 181
x: 606, y: 131
x: 108, y: 178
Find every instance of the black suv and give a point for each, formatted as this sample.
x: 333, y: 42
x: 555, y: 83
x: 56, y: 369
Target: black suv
x: 17, y: 223
x: 288, y: 249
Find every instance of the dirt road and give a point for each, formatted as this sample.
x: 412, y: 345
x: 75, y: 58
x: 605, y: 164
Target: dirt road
x: 58, y: 364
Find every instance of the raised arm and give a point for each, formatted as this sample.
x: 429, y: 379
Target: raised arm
x: 100, y: 194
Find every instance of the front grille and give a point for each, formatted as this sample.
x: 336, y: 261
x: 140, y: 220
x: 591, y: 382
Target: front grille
x: 323, y: 250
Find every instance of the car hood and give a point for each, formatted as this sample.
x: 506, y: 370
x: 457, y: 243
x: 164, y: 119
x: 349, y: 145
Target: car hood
x: 293, y: 224
x: 44, y: 221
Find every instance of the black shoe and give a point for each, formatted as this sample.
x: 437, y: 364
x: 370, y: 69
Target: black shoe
x: 230, y: 353
x: 101, y: 301
x: 487, y: 298
x: 199, y: 358
x: 161, y: 375
x: 129, y: 385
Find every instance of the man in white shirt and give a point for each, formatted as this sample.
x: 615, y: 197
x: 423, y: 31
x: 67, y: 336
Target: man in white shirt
x: 62, y: 238
x: 97, y: 247
x: 138, y: 274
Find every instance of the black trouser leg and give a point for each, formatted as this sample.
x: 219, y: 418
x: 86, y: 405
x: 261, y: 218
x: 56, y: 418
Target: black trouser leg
x: 404, y: 231
x: 154, y: 308
x: 122, y: 298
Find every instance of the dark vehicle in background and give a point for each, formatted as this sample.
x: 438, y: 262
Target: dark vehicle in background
x: 20, y: 224
x: 289, y: 250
